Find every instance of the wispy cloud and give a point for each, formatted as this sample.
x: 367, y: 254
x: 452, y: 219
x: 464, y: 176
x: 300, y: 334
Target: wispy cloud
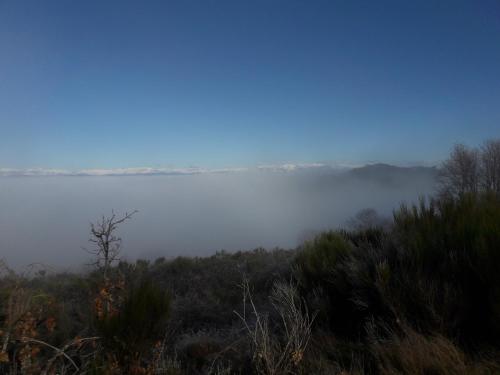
x: 292, y: 167
x: 33, y: 172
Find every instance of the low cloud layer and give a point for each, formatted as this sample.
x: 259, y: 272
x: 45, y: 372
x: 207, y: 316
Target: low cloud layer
x: 148, y: 171
x: 46, y: 218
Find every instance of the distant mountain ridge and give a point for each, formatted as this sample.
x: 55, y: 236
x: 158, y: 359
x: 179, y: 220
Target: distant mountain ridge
x: 387, y: 174
x: 382, y: 168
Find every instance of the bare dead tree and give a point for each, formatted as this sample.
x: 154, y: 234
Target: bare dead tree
x: 469, y: 170
x: 107, y: 245
x: 490, y: 165
x: 460, y: 174
x: 367, y: 218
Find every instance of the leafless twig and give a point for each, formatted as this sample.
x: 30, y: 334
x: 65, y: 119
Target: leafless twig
x: 107, y: 244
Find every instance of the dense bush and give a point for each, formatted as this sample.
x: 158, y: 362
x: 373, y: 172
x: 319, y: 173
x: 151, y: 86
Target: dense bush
x: 452, y: 247
x: 437, y: 270
x: 129, y: 331
x: 318, y: 266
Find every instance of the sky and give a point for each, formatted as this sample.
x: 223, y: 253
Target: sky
x: 118, y: 84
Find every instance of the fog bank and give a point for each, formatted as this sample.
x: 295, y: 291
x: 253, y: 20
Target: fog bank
x: 46, y: 219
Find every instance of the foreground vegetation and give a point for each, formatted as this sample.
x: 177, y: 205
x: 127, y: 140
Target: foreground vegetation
x: 419, y: 294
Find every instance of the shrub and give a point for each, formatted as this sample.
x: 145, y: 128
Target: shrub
x: 322, y: 283
x: 451, y: 245
x: 318, y: 258
x: 137, y: 324
x: 437, y: 270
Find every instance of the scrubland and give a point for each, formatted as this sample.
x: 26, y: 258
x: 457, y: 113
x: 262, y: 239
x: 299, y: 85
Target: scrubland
x: 417, y: 294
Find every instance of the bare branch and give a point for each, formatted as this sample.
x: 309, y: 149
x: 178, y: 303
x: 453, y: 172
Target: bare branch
x: 460, y: 174
x: 107, y: 244
x: 59, y: 351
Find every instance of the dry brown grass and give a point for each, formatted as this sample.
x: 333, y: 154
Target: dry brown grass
x: 416, y: 354
x: 273, y: 354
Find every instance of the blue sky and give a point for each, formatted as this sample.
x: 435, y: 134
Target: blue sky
x: 107, y: 84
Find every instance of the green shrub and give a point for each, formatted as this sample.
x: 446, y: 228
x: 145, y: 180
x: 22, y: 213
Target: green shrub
x: 437, y: 270
x: 322, y: 283
x: 318, y: 258
x: 140, y: 321
x: 453, y: 245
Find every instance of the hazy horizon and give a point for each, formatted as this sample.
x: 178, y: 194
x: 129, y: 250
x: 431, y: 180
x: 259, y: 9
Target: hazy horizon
x: 196, y: 169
